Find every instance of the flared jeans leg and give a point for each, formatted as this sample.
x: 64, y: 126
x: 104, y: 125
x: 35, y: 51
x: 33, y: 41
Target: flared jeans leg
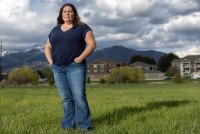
x: 70, y: 81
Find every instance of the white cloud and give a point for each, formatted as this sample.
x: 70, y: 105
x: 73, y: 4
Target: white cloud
x: 183, y: 5
x: 21, y: 25
x: 115, y: 9
x: 184, y: 23
x: 17, y: 16
x: 116, y: 37
x: 193, y: 50
x: 11, y: 9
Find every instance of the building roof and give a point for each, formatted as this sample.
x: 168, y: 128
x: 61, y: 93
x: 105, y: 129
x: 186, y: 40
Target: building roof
x: 153, y: 71
x: 107, y: 60
x: 191, y: 58
x: 143, y: 64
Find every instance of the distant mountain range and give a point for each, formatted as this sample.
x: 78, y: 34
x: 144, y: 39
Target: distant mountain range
x: 35, y: 57
x: 123, y: 54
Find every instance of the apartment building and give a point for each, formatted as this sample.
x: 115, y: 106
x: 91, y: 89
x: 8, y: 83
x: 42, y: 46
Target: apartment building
x: 98, y: 69
x: 150, y: 71
x: 189, y: 66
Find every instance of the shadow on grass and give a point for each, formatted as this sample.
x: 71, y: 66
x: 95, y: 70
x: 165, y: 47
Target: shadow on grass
x: 122, y: 113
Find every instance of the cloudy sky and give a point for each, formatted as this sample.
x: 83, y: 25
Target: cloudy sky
x: 161, y: 25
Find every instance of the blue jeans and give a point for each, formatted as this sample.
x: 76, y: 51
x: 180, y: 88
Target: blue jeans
x: 70, y: 81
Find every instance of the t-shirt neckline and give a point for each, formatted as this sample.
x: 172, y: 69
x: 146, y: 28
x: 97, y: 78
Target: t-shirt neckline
x: 65, y: 30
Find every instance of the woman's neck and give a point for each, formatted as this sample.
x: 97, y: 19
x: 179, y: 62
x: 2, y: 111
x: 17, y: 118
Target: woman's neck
x: 67, y: 23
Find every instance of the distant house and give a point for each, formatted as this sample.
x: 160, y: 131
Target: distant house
x: 154, y: 75
x: 189, y: 66
x: 98, y: 69
x: 143, y: 66
x: 150, y: 71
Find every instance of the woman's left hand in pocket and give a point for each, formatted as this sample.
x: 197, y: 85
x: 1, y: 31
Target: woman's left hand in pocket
x: 77, y: 60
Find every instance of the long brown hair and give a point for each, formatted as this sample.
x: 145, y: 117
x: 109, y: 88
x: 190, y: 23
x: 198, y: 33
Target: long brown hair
x: 76, y: 20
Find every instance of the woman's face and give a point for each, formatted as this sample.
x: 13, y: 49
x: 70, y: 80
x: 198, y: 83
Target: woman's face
x: 68, y: 14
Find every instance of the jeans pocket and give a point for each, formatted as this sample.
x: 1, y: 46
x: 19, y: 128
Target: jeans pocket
x: 76, y: 63
x: 53, y: 66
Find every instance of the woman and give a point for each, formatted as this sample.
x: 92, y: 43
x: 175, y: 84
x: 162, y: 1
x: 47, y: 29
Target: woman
x: 68, y: 45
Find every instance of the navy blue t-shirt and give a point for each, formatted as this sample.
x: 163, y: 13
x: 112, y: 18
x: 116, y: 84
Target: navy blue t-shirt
x: 66, y: 46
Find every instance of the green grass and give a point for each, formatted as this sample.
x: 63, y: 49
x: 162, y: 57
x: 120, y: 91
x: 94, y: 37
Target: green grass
x: 125, y: 108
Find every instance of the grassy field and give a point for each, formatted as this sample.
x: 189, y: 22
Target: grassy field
x: 161, y: 108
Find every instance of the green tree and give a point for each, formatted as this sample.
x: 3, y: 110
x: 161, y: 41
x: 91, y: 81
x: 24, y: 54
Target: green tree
x: 23, y: 75
x: 171, y: 71
x: 88, y: 80
x: 47, y: 73
x: 177, y: 78
x: 144, y: 59
x: 165, y: 61
x: 39, y: 72
x: 125, y: 74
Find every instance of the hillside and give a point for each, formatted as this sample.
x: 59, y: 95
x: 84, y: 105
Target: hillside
x: 123, y: 54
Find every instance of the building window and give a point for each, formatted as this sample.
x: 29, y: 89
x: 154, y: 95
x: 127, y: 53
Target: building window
x: 101, y: 68
x: 95, y: 66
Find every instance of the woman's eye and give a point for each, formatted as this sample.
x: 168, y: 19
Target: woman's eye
x: 67, y: 11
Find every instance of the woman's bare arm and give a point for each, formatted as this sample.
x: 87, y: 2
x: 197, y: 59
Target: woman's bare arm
x: 91, y: 45
x: 48, y: 52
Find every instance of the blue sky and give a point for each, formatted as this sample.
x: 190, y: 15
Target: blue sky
x: 161, y: 25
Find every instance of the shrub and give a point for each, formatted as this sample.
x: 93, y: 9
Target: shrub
x: 23, y: 75
x: 88, y: 80
x: 125, y: 74
x: 177, y: 78
x: 102, y: 81
x: 47, y: 73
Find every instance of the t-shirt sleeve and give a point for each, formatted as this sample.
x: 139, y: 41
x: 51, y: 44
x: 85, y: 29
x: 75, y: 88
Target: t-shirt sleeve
x: 86, y: 28
x: 50, y: 34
